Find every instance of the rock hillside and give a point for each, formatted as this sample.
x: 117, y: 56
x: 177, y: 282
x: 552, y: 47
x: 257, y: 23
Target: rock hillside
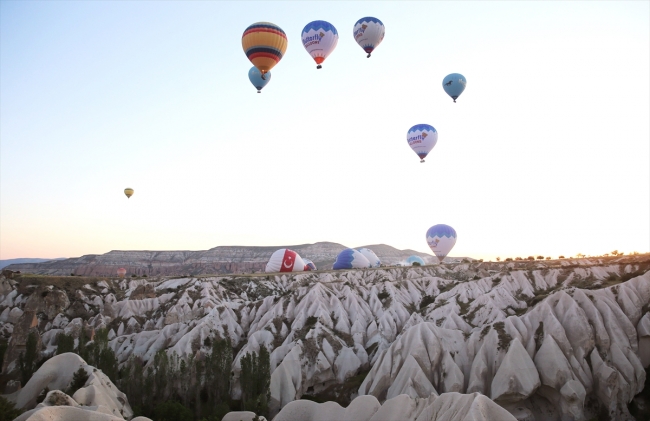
x: 218, y: 260
x: 548, y: 340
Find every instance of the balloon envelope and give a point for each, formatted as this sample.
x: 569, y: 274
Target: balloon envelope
x: 441, y: 239
x: 309, y: 265
x: 371, y: 256
x: 264, y: 44
x: 350, y: 259
x: 128, y: 192
x: 415, y: 259
x: 121, y: 272
x: 368, y: 33
x: 422, y: 138
x: 285, y: 260
x: 255, y: 76
x: 454, y: 84
x: 319, y: 39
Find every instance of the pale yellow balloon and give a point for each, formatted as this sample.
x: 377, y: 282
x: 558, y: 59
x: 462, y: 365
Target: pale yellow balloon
x: 128, y: 192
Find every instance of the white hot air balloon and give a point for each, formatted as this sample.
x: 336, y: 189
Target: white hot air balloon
x: 319, y: 39
x: 285, y: 260
x: 371, y: 256
x: 368, y: 32
x: 441, y: 239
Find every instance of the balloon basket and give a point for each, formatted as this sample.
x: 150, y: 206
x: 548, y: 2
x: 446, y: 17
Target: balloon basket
x: 259, y: 92
x: 368, y: 56
x: 422, y: 161
x: 319, y: 67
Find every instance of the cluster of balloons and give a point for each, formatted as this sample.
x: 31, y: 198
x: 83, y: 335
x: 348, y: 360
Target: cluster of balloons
x: 356, y: 259
x: 265, y: 44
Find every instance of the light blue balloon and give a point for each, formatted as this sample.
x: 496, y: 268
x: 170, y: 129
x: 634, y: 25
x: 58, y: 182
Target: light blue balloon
x: 257, y: 80
x: 454, y: 84
x: 415, y: 259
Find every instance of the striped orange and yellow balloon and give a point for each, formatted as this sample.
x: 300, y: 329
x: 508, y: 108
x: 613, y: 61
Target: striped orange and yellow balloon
x: 264, y: 44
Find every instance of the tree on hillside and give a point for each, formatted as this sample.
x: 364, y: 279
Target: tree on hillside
x: 8, y: 411
x: 65, y: 343
x: 79, y: 379
x: 498, y: 259
x: 255, y: 381
x: 27, y: 360
x: 540, y: 257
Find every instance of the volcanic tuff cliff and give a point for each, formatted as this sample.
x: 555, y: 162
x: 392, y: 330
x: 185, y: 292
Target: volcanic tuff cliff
x: 545, y: 340
x: 218, y: 260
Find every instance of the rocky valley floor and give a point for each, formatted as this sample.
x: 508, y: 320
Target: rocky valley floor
x: 551, y: 340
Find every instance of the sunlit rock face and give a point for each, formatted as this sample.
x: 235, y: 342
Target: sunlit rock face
x: 99, y: 399
x: 565, y: 338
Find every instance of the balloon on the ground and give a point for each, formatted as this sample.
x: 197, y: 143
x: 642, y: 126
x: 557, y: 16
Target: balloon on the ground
x: 368, y: 33
x: 264, y: 44
x: 454, y: 84
x: 422, y: 138
x: 441, y: 239
x: 309, y: 265
x: 319, y: 39
x: 415, y: 259
x: 128, y: 192
x: 255, y: 76
x: 285, y: 260
x: 350, y: 259
x: 121, y: 272
x: 371, y: 256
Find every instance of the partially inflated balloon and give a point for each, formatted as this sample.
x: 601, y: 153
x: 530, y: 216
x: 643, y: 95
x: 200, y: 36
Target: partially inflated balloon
x: 255, y: 76
x: 454, y: 84
x: 415, y: 259
x: 368, y: 33
x: 422, y: 138
x: 121, y: 272
x: 371, y: 256
x: 128, y: 192
x: 441, y: 239
x: 319, y: 39
x: 309, y: 265
x: 285, y: 260
x: 350, y: 259
x: 264, y: 44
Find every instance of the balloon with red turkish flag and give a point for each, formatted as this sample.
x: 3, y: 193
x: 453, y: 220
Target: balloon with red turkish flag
x: 285, y: 260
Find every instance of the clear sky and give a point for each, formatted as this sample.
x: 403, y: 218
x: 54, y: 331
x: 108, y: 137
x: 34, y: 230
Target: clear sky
x: 547, y: 152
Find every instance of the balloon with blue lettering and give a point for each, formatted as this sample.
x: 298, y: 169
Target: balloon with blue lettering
x: 454, y: 84
x: 319, y: 39
x: 369, y: 33
x: 415, y: 261
x: 350, y: 259
x: 422, y: 138
x: 371, y: 256
x: 255, y: 76
x: 441, y: 239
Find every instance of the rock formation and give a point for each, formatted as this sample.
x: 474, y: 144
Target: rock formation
x: 562, y: 338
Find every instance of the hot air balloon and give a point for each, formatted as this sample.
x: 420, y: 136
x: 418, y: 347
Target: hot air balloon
x: 264, y: 44
x: 128, y: 192
x: 350, y: 259
x: 319, y: 39
x: 371, y: 256
x: 368, y: 33
x: 256, y: 79
x: 415, y: 259
x: 441, y: 239
x: 285, y: 260
x: 309, y: 265
x: 454, y: 84
x: 422, y: 138
x: 121, y: 272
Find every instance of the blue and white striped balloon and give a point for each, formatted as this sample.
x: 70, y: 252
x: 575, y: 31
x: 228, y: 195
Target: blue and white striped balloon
x: 371, y: 256
x: 422, y: 138
x: 350, y: 259
x: 441, y: 239
x: 368, y: 33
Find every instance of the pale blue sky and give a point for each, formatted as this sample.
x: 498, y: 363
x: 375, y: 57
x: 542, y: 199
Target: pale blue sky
x: 546, y: 152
